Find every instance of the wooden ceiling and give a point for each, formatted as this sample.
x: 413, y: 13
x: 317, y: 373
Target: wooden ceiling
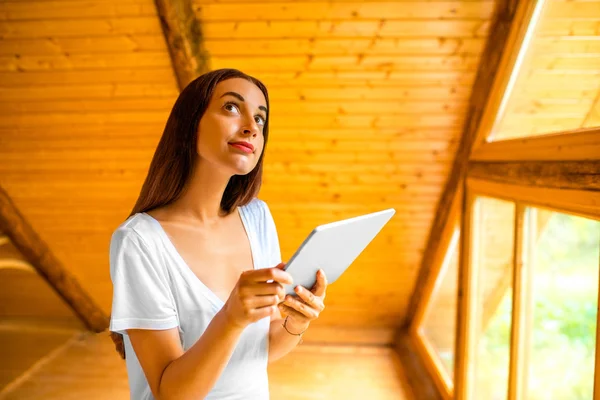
x: 557, y: 87
x: 368, y: 101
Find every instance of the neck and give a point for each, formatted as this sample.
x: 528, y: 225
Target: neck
x: 202, y: 196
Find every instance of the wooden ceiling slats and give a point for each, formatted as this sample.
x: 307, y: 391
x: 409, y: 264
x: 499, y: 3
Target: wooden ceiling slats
x: 565, y: 46
x: 345, y: 29
x: 57, y: 10
x: 344, y: 46
x: 300, y: 93
x: 302, y: 11
x: 93, y: 45
x: 367, y: 98
x: 558, y: 85
x: 286, y: 79
x: 348, y: 63
x: 257, y: 29
x: 572, y: 11
x: 86, y: 77
x: 84, y: 61
x: 589, y: 61
x: 566, y: 28
x: 79, y: 27
x: 89, y: 91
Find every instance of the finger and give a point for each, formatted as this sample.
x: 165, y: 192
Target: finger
x: 260, y: 313
x: 268, y: 274
x: 287, y: 310
x: 310, y: 299
x: 280, y: 266
x: 301, y: 307
x: 263, y: 289
x: 320, y: 287
x: 262, y: 301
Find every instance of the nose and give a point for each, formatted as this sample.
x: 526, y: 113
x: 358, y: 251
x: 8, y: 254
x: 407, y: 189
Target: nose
x: 251, y: 128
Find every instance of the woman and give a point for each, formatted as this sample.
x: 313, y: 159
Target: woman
x: 196, y: 268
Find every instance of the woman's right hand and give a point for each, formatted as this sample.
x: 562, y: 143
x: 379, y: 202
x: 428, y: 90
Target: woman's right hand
x: 253, y: 298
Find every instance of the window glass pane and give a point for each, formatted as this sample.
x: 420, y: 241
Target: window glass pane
x: 557, y: 84
x: 439, y: 323
x: 563, y: 282
x: 493, y: 237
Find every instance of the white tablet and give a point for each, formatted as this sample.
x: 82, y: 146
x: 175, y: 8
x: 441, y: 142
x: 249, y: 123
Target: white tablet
x: 333, y: 247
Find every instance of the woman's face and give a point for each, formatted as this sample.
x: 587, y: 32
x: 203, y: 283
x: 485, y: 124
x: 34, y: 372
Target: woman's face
x: 230, y: 133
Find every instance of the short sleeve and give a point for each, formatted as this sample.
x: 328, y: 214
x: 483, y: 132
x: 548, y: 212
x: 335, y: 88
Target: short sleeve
x: 272, y: 237
x: 141, y: 293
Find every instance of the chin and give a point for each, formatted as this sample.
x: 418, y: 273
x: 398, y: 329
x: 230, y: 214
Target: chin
x: 242, y: 169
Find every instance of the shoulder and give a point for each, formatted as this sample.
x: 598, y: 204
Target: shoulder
x: 136, y: 231
x: 257, y: 208
x: 258, y: 213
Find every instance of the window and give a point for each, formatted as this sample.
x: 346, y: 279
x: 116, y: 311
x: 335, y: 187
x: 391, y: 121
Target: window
x: 561, y: 312
x: 557, y: 82
x: 439, y: 323
x: 492, y: 258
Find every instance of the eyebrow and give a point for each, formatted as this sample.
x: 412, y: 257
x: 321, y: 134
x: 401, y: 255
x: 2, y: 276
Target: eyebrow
x: 240, y: 98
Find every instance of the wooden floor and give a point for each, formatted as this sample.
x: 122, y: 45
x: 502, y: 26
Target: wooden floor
x: 86, y: 367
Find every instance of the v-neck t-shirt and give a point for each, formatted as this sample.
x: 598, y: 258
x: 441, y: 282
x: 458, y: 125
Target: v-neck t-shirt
x: 153, y: 288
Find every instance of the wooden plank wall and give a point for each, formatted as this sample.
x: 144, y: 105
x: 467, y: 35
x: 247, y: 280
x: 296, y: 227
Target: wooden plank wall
x: 368, y: 100
x: 85, y: 90
x: 363, y: 118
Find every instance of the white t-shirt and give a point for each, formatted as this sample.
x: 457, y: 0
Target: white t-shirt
x: 153, y: 288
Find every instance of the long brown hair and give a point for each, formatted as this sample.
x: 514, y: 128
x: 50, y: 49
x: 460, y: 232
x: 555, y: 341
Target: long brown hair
x: 175, y: 155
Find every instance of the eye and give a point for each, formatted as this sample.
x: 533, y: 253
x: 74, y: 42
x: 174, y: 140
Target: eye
x: 231, y: 107
x: 260, y: 120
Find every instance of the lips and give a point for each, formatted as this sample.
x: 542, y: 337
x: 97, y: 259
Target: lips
x: 244, y: 146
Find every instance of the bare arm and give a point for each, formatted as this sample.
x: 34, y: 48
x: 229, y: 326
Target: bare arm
x: 300, y: 311
x: 280, y: 341
x: 175, y: 374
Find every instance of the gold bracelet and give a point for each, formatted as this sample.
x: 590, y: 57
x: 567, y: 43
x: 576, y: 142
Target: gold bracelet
x: 291, y: 333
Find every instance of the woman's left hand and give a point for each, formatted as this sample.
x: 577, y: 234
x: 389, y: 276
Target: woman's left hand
x: 308, y: 305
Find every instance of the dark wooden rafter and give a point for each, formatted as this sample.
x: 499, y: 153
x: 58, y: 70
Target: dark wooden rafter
x: 577, y: 175
x: 38, y: 254
x: 489, y: 73
x: 184, y: 38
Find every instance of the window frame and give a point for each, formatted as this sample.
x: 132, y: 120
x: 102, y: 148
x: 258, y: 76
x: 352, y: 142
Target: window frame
x: 581, y: 202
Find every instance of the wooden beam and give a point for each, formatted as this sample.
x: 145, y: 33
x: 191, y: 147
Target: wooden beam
x: 184, y: 38
x: 516, y: 370
x: 36, y: 251
x: 585, y: 203
x: 504, y: 40
x: 466, y: 316
x: 419, y: 380
x: 576, y: 145
x: 432, y: 363
x: 578, y: 175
